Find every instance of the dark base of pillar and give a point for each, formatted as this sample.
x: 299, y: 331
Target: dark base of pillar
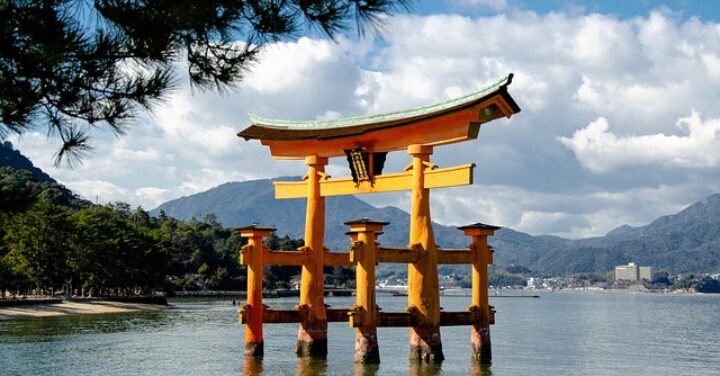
x: 366, y: 348
x: 312, y: 340
x: 254, y: 349
x: 426, y: 345
x: 482, y: 354
x: 480, y: 342
x: 314, y: 348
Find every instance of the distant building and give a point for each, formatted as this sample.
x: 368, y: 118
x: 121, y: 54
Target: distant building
x: 534, y: 283
x: 646, y: 273
x: 629, y: 272
x: 634, y: 273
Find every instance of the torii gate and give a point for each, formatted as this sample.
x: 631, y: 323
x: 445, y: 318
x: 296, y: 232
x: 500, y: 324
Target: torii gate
x: 365, y: 141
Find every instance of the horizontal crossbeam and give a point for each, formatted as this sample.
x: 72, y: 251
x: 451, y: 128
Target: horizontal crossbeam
x: 298, y: 257
x: 337, y: 259
x: 385, y: 319
x: 279, y: 316
x: 283, y: 257
x: 409, y: 319
x: 398, y: 255
x: 385, y: 254
x: 454, y: 256
x: 397, y: 319
x: 440, y: 178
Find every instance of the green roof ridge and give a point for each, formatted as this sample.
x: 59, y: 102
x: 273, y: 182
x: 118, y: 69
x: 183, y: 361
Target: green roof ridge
x: 390, y: 116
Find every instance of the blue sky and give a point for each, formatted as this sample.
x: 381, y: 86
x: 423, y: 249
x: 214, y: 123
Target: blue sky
x: 620, y: 122
x: 706, y: 10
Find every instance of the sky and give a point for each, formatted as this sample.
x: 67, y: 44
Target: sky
x: 620, y: 121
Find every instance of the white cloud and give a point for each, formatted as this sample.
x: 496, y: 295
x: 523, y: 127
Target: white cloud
x: 207, y: 178
x: 99, y: 191
x: 291, y: 64
x: 712, y: 65
x: 147, y: 155
x: 601, y: 151
x: 597, y: 89
x: 496, y: 5
x: 151, y: 197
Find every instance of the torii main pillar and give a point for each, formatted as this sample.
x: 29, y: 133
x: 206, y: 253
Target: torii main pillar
x: 423, y: 284
x: 312, y: 334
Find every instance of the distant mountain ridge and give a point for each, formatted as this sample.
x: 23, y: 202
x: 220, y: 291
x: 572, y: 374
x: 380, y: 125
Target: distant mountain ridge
x: 688, y: 241
x: 241, y: 203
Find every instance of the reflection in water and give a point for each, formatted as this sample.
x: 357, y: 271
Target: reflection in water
x: 252, y: 366
x: 421, y: 368
x: 309, y: 366
x: 479, y: 369
x: 361, y: 369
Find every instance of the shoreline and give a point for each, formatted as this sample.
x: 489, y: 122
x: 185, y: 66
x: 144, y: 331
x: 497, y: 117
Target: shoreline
x: 73, y: 307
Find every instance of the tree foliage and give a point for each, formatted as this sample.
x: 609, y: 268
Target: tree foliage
x: 38, y: 244
x: 48, y: 244
x: 75, y: 65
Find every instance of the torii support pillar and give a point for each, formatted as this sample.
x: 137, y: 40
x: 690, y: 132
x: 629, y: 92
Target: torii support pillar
x: 252, y: 311
x: 482, y: 257
x: 312, y: 334
x: 423, y: 284
x: 364, y: 315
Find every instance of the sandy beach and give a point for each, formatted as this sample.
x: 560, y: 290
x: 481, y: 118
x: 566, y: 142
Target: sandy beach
x: 74, y: 308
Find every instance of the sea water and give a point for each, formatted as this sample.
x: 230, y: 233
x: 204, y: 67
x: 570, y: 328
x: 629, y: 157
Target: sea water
x: 556, y: 334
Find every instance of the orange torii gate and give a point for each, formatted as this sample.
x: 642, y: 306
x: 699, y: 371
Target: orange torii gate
x: 365, y: 141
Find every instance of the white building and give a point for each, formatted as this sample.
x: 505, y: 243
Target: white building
x: 534, y: 283
x: 629, y: 272
x: 646, y: 273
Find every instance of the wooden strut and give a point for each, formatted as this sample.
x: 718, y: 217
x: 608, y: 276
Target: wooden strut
x: 482, y: 257
x: 363, y: 316
x: 253, y: 311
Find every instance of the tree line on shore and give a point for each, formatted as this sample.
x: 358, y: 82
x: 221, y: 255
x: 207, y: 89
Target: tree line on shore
x: 52, y: 241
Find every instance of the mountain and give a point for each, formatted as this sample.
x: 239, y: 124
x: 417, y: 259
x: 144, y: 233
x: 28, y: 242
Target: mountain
x: 242, y: 203
x: 21, y: 183
x: 9, y: 157
x: 688, y: 241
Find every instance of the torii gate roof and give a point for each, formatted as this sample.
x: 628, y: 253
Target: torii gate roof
x: 451, y: 121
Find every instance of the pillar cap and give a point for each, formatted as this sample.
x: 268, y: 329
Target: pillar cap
x: 419, y: 149
x: 366, y: 225
x: 366, y: 221
x: 478, y: 229
x: 311, y: 160
x: 256, y: 229
x: 479, y: 226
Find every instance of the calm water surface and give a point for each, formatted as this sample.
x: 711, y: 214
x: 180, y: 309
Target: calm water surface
x: 558, y: 334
